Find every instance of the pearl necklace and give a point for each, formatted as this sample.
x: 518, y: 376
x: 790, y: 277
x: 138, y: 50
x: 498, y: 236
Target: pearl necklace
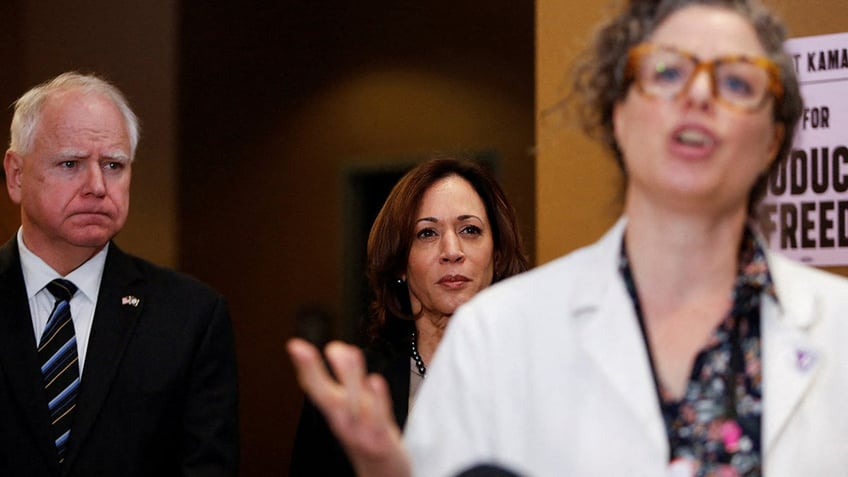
x: 419, y: 363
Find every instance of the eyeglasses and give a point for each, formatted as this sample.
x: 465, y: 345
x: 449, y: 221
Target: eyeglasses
x: 739, y: 82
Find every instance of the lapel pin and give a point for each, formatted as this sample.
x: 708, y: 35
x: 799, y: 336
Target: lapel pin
x: 805, y: 359
x: 130, y: 300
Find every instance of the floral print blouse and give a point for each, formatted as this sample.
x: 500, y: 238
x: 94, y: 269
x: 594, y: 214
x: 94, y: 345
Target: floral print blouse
x: 714, y: 429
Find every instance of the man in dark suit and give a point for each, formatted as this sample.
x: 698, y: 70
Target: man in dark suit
x: 146, y: 381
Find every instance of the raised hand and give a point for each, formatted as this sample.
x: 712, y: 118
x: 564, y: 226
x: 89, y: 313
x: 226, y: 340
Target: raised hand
x: 357, y: 406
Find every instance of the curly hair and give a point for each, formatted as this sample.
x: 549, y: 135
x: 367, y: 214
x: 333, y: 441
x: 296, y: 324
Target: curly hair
x: 600, y: 81
x: 391, y: 236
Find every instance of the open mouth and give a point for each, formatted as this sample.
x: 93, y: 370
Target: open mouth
x: 694, y: 138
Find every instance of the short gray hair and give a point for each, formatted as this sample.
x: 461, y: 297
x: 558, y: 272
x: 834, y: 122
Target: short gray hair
x: 29, y: 106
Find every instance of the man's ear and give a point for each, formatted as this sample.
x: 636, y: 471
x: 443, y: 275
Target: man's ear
x: 13, y: 166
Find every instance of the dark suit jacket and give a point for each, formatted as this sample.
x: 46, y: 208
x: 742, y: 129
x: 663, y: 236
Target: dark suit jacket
x: 158, y: 395
x: 316, y: 451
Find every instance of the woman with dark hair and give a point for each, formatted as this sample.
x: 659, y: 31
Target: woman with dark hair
x: 675, y: 345
x: 389, y: 251
x: 445, y: 232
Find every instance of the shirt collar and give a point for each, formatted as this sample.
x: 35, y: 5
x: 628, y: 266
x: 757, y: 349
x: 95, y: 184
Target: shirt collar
x: 37, y: 273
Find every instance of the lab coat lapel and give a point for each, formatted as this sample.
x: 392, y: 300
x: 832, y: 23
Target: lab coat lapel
x: 791, y: 360
x: 612, y: 338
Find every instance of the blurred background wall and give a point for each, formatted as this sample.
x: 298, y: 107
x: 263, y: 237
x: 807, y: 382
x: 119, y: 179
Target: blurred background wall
x: 286, y: 111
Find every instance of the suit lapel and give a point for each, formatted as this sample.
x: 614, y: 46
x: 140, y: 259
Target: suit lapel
x: 394, y: 366
x: 18, y: 355
x: 397, y: 375
x: 115, y: 317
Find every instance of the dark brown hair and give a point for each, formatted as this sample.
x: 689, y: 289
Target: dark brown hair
x: 392, y: 233
x: 601, y: 83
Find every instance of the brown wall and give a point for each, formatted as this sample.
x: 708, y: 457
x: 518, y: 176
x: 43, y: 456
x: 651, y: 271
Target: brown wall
x: 278, y: 103
x: 10, y: 88
x: 577, y: 184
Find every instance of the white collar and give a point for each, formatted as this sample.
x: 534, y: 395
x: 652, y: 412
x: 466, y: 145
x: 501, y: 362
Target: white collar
x: 37, y: 273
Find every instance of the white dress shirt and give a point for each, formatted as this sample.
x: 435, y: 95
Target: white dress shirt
x: 37, y: 274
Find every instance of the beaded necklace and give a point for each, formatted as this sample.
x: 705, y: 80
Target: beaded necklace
x: 419, y: 363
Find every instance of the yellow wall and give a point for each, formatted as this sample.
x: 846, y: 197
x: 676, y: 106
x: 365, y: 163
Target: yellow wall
x: 577, y: 182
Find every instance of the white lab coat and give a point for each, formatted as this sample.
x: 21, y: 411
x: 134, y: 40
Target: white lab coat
x: 547, y: 374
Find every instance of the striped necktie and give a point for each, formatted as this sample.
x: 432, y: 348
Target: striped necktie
x: 57, y: 352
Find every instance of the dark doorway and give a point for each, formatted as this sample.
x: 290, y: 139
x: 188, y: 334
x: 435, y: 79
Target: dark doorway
x: 366, y: 190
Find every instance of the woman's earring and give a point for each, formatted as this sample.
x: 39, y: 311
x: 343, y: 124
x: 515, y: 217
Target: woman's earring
x: 400, y: 281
